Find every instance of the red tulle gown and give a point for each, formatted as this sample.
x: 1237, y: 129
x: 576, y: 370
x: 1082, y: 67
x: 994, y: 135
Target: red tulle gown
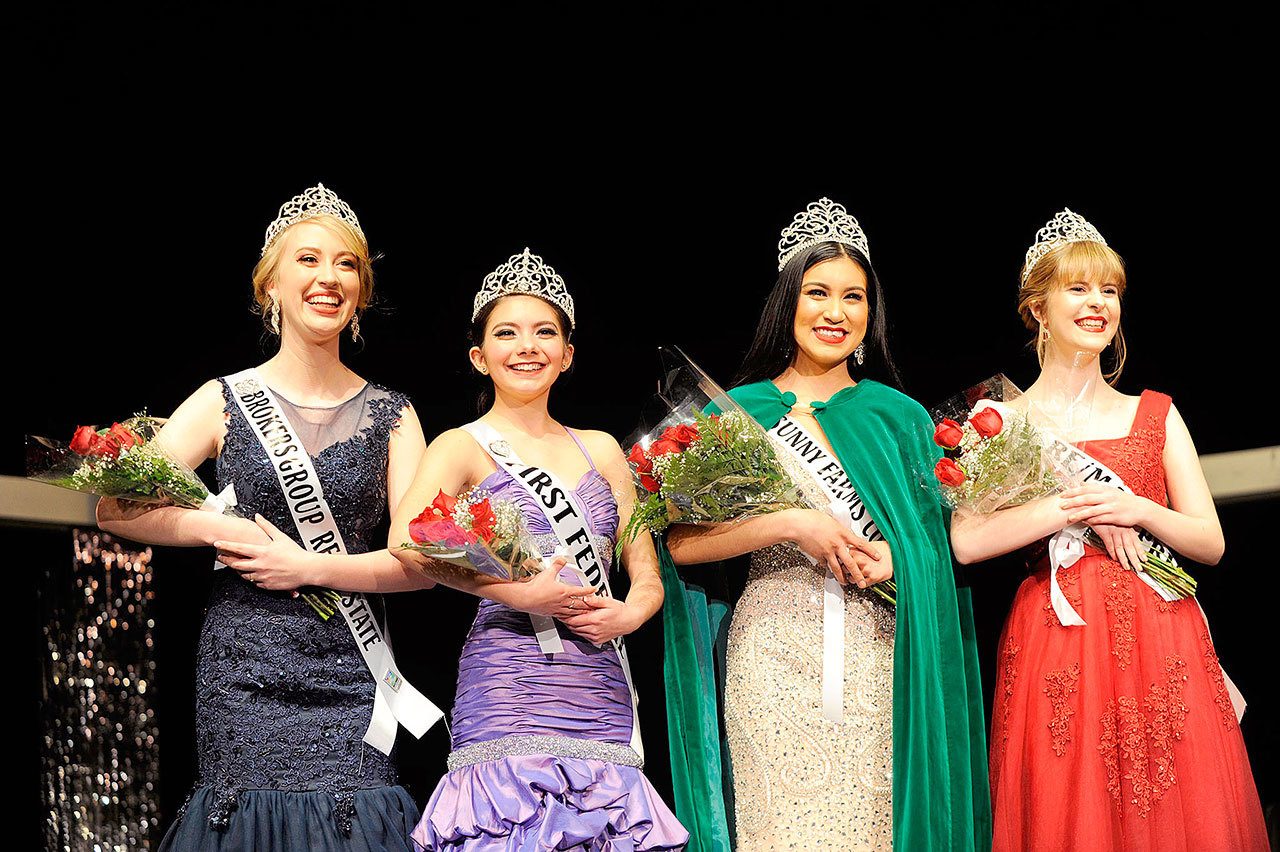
x: 1119, y: 734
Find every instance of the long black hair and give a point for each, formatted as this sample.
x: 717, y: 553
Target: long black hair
x: 485, y: 397
x: 773, y: 349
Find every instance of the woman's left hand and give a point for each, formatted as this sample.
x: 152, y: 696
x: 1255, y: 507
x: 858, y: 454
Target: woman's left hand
x: 1123, y: 545
x: 600, y: 619
x: 876, y: 571
x: 280, y: 566
x: 1102, y: 504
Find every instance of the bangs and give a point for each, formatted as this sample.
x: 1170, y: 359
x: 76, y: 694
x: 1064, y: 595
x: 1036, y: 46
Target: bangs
x: 1087, y: 261
x: 344, y: 232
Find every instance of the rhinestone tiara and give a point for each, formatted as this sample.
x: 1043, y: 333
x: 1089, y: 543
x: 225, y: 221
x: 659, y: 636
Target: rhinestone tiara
x: 823, y: 221
x: 315, y: 201
x: 524, y: 275
x: 1066, y: 227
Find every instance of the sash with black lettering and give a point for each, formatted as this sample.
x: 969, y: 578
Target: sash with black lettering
x: 845, y: 506
x: 395, y: 699
x: 569, y: 524
x: 1066, y: 546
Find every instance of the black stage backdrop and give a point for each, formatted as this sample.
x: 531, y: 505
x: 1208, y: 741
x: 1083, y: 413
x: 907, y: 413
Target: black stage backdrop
x: 134, y: 289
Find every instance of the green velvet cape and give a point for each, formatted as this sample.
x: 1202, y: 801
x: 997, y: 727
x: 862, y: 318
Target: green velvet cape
x: 941, y: 801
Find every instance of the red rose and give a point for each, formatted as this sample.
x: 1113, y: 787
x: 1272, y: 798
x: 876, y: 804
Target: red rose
x: 443, y: 531
x: 444, y: 504
x: 987, y: 422
x: 430, y: 528
x: 948, y: 434
x: 418, y: 525
x: 663, y: 446
x: 948, y: 472
x: 483, y: 520
x: 684, y: 434
x: 125, y: 436
x: 640, y: 460
x: 83, y: 440
x: 105, y: 446
x: 650, y: 484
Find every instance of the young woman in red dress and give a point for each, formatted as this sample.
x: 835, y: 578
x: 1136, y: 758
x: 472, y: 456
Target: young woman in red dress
x: 1118, y: 733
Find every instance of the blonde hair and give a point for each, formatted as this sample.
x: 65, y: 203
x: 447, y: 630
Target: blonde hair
x: 1066, y: 264
x: 264, y: 272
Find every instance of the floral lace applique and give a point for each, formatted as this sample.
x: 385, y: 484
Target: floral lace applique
x: 1059, y: 685
x: 1009, y: 676
x: 1134, y: 752
x: 1117, y: 592
x: 1166, y: 714
x: 1220, y: 695
x: 1109, y: 748
x: 1134, y: 457
x: 1137, y: 457
x: 1142, y: 742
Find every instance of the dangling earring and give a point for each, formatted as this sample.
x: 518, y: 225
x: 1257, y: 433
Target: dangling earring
x: 355, y: 327
x: 860, y: 353
x: 1045, y: 329
x: 275, y: 313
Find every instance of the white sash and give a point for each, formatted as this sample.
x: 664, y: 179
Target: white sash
x: 1066, y: 546
x: 395, y: 699
x: 569, y: 524
x: 847, y: 506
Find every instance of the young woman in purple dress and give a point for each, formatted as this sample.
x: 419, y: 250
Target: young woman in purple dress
x: 546, y: 750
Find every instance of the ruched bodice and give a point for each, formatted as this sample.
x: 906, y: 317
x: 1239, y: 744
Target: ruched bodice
x: 542, y: 753
x: 584, y: 694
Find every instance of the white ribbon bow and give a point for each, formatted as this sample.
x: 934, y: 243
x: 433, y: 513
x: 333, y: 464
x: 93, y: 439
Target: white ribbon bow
x: 1065, y: 549
x: 220, y: 502
x: 1066, y: 546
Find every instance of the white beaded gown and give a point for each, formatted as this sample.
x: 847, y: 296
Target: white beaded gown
x: 801, y: 781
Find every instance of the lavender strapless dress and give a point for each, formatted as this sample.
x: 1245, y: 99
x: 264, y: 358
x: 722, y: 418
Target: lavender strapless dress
x: 541, y: 746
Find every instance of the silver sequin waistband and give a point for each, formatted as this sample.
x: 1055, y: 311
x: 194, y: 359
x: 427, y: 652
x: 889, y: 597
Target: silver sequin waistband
x: 547, y: 544
x: 524, y: 744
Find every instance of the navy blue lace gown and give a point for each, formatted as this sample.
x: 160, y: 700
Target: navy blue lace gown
x: 283, y: 698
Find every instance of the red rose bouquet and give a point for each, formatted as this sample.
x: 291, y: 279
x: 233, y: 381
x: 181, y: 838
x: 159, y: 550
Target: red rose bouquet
x: 999, y: 458
x: 125, y: 461
x: 706, y: 460
x: 993, y: 457
x: 475, y: 532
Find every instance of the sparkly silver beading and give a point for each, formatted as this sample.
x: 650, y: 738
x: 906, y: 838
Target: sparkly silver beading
x: 1066, y: 227
x: 800, y: 780
x: 823, y: 221
x: 524, y: 275
x: 525, y: 744
x: 316, y: 201
x: 547, y: 544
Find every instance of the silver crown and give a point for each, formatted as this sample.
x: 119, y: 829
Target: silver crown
x: 313, y: 202
x: 524, y: 275
x: 1066, y: 227
x: 823, y: 221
